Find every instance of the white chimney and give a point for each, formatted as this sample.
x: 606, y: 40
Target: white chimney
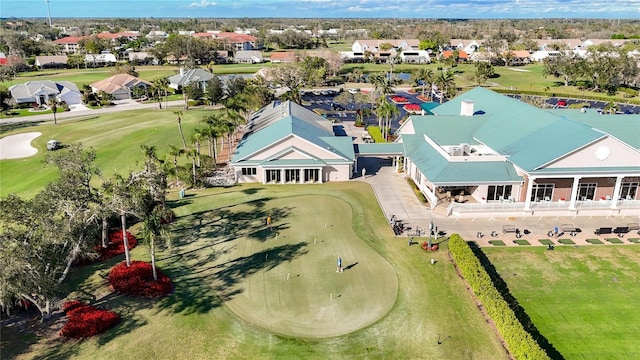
x: 466, y: 108
x: 181, y: 71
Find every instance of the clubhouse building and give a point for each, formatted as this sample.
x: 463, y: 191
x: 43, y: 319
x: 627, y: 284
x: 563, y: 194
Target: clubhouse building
x: 480, y: 152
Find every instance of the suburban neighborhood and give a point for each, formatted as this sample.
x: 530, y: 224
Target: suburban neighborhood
x: 258, y: 188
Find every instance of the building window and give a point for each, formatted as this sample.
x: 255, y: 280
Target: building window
x: 311, y: 175
x: 542, y: 192
x: 292, y: 175
x: 273, y: 176
x: 628, y: 190
x: 499, y: 192
x: 587, y: 191
x: 249, y: 171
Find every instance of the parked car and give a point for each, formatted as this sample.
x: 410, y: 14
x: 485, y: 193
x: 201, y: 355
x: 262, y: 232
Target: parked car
x: 562, y: 103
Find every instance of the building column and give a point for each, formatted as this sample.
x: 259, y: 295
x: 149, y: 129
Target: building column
x: 264, y: 176
x: 574, y: 193
x: 527, y: 199
x: 616, y: 191
x: 282, y: 176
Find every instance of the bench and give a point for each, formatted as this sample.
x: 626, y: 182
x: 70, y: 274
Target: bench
x: 568, y: 228
x: 603, y: 230
x: 633, y: 226
x: 508, y: 229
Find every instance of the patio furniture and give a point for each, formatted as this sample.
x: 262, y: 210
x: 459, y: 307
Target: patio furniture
x: 621, y: 230
x: 633, y: 226
x: 508, y: 229
x: 572, y: 230
x: 603, y: 230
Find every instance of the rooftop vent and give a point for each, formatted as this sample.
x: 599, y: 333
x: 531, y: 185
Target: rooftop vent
x: 466, y: 108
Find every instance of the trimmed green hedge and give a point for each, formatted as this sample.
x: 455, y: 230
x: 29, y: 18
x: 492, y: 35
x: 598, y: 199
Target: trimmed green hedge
x: 520, y: 343
x: 417, y: 191
x: 376, y: 134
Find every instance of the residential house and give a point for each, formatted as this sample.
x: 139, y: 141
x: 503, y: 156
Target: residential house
x: 284, y: 57
x: 40, y: 92
x: 469, y: 46
x: 100, y: 59
x: 248, y: 57
x: 70, y: 44
x: 55, y: 61
x: 286, y: 143
x: 120, y: 86
x: 157, y: 35
x: 186, y: 77
x: 415, y: 57
x: 237, y: 42
x: 485, y: 152
x: 462, y: 55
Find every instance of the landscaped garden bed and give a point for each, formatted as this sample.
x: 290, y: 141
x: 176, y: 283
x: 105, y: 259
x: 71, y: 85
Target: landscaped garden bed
x: 615, y: 240
x: 137, y: 279
x: 546, y: 242
x: 497, y: 243
x: 595, y: 241
x: 412, y: 108
x: 566, y: 241
x: 399, y: 99
x: 86, y: 320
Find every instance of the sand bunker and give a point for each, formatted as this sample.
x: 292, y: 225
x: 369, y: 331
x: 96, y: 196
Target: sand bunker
x: 18, y: 146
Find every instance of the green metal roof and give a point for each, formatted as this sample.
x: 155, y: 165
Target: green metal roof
x: 441, y: 172
x: 379, y: 149
x: 591, y: 169
x: 529, y: 136
x: 447, y: 130
x: 276, y: 122
x: 428, y: 106
x: 622, y: 126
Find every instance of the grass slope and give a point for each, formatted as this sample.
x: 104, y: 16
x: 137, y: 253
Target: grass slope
x: 433, y: 316
x: 583, y: 300
x: 116, y: 137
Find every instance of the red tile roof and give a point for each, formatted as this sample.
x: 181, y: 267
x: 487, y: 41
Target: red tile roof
x: 70, y: 40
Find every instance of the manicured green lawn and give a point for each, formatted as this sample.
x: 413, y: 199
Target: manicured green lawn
x: 116, y: 137
x: 232, y: 302
x: 583, y: 300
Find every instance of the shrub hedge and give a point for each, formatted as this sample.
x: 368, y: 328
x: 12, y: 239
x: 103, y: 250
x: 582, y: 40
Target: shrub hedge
x: 520, y: 343
x: 86, y: 320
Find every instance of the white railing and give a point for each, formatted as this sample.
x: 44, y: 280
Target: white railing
x: 539, y: 206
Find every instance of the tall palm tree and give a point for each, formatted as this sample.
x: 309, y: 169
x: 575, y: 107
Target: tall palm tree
x: 388, y: 110
x: 174, y: 152
x: 154, y: 229
x: 214, y: 122
x: 197, y: 138
x: 446, y: 83
x: 178, y: 114
x: 423, y: 75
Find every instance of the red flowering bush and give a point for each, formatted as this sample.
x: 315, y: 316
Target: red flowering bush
x: 412, y: 108
x: 86, y: 320
x: 115, y: 246
x: 137, y: 279
x: 399, y: 99
x: 423, y: 98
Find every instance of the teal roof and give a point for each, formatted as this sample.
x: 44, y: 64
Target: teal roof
x: 428, y: 106
x: 277, y: 121
x: 440, y: 171
x: 447, y: 130
x: 622, y: 126
x: 379, y: 148
x: 530, y: 137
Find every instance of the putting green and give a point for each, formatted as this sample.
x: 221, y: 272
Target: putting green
x: 284, y: 279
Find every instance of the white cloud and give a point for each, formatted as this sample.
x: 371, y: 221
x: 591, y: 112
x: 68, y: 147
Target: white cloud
x: 202, y: 3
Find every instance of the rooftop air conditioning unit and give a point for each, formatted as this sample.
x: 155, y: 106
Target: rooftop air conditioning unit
x: 455, y: 151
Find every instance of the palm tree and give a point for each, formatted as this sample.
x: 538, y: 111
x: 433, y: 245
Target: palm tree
x: 446, y: 83
x: 175, y: 152
x: 125, y: 196
x: 197, y: 138
x: 213, y: 131
x: 154, y: 229
x: 53, y: 103
x: 178, y: 114
x: 388, y: 110
x: 423, y: 75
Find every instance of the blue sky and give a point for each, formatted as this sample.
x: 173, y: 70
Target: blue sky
x: 472, y: 9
